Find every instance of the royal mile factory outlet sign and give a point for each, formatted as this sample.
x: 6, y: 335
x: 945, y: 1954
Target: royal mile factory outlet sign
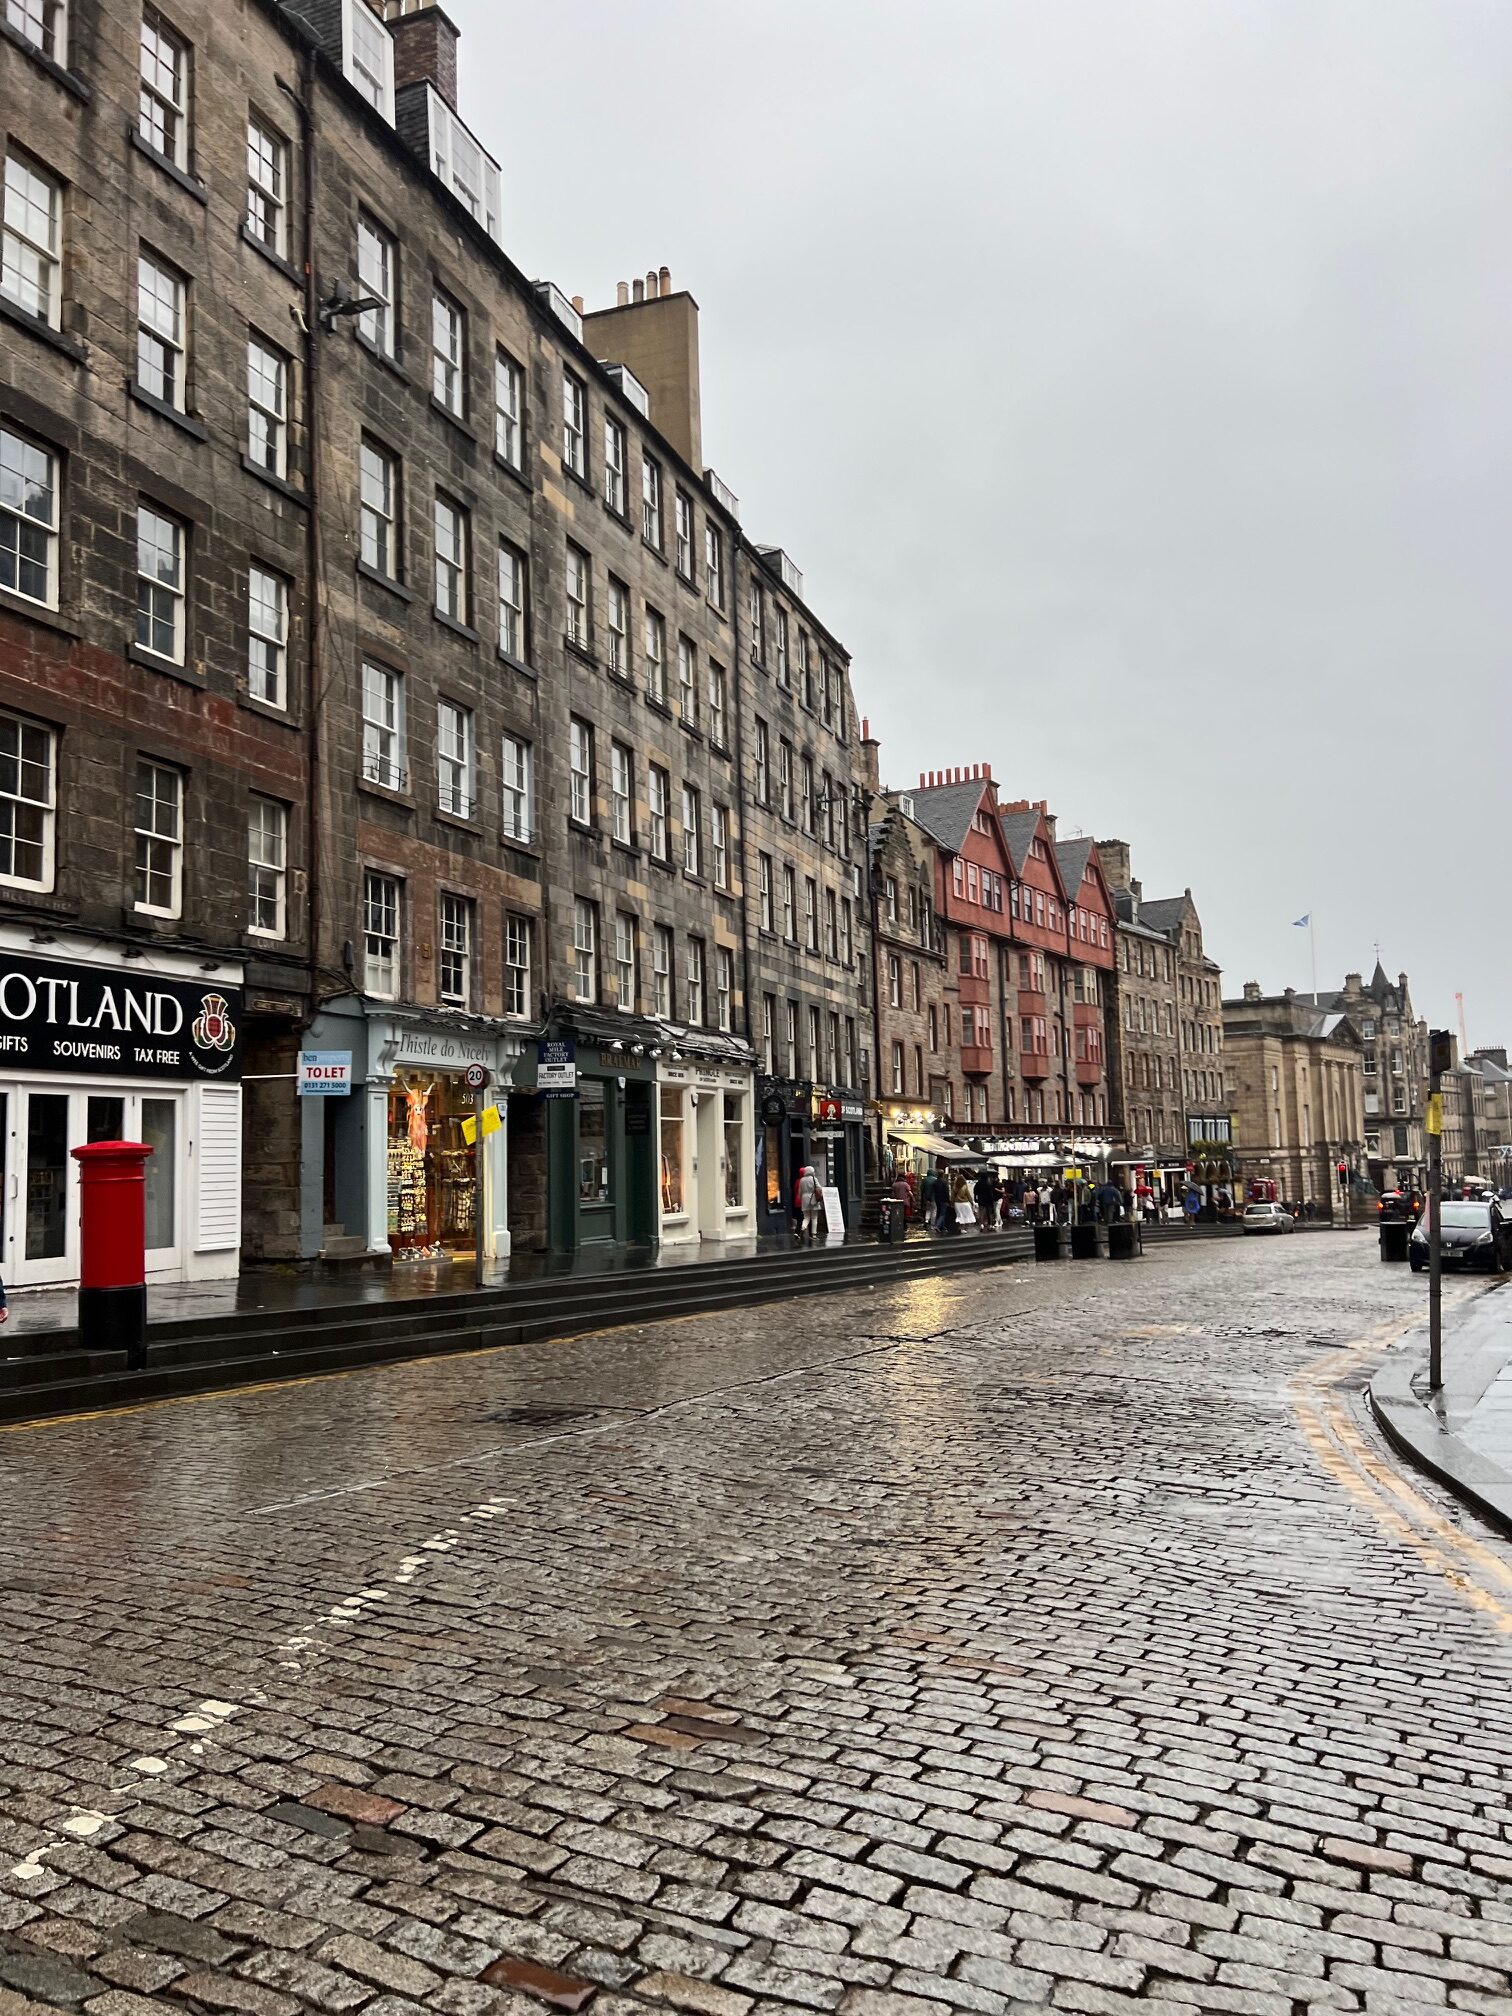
x: 105, y: 1021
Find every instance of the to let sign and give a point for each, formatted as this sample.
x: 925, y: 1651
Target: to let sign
x: 325, y: 1074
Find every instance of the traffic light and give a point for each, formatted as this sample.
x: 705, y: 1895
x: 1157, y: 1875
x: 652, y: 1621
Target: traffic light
x: 1440, y: 1051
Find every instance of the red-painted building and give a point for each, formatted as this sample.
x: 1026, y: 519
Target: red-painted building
x: 1028, y: 927
x: 1060, y: 915
x: 959, y: 810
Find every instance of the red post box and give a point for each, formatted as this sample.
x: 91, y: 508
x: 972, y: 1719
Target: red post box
x: 113, y: 1248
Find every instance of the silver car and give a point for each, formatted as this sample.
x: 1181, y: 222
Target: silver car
x: 1268, y: 1218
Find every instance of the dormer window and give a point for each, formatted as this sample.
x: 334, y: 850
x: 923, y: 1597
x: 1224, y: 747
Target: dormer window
x: 367, y: 56
x: 457, y: 160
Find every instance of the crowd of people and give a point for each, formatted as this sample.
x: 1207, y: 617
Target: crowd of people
x: 943, y: 1199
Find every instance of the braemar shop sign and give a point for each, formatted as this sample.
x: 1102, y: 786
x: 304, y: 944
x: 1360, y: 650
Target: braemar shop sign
x: 103, y: 1021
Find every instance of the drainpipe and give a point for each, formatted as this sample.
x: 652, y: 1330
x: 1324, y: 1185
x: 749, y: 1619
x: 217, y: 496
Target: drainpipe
x: 314, y: 543
x: 1005, y: 1024
x: 743, y: 798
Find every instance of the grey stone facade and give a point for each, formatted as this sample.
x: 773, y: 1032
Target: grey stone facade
x: 415, y: 689
x: 70, y: 662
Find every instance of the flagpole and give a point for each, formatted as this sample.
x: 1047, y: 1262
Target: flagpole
x: 1312, y: 946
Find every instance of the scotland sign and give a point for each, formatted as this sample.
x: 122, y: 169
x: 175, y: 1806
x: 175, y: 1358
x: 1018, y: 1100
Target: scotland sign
x: 108, y: 1022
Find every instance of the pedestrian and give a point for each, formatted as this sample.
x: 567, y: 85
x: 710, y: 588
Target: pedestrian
x: 985, y: 1193
x: 1110, y: 1197
x: 927, y: 1199
x: 960, y: 1193
x: 1031, y: 1204
x: 1191, y: 1205
x: 810, y: 1198
x: 944, y: 1209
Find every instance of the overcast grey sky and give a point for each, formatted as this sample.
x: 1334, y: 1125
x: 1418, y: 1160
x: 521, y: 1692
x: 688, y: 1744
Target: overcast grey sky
x: 1130, y: 379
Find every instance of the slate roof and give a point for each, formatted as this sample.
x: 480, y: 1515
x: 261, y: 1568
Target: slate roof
x: 1073, y: 855
x: 1019, y: 828
x: 1163, y: 913
x: 945, y: 810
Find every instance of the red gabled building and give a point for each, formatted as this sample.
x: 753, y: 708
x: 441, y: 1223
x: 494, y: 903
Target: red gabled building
x: 1091, y: 953
x: 1027, y: 923
x: 959, y: 810
x: 1061, y: 943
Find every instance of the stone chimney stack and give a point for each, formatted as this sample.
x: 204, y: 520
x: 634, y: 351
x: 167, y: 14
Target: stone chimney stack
x: 654, y: 334
x: 1116, y: 864
x: 871, y: 757
x: 1252, y: 990
x: 425, y: 46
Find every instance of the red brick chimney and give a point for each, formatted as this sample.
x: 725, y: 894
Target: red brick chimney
x: 425, y: 46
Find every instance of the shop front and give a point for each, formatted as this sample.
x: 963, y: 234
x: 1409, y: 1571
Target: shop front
x: 1157, y: 1179
x: 799, y: 1126
x: 99, y: 1046
x: 705, y: 1163
x: 584, y: 1131
x: 388, y: 1169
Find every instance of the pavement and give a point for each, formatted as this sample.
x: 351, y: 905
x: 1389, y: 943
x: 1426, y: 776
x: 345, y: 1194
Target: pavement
x: 1463, y: 1433
x: 1057, y: 1638
x: 291, y: 1290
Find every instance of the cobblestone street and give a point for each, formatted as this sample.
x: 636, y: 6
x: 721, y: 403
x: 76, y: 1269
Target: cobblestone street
x: 1059, y: 1637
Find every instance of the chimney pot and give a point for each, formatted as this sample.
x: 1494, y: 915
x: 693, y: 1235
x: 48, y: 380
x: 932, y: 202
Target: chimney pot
x: 664, y: 279
x: 865, y: 729
x: 651, y: 286
x: 622, y: 294
x: 640, y: 290
x: 577, y: 302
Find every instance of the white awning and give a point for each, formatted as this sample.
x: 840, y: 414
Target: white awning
x: 932, y: 1145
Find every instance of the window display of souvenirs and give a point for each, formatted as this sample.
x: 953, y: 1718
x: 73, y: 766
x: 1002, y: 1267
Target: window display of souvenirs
x: 432, y: 1185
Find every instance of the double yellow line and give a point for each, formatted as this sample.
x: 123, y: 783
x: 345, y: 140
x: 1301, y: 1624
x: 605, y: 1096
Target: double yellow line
x: 1470, y: 1568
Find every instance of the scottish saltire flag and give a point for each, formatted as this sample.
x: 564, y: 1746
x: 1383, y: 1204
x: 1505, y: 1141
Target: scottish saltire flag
x: 1301, y: 923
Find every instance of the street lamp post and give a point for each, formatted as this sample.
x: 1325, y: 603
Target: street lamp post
x: 1440, y: 1057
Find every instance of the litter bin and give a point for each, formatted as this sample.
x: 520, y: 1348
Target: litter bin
x: 894, y: 1226
x: 1049, y: 1242
x: 1123, y: 1239
x: 1085, y: 1244
x: 1395, y: 1233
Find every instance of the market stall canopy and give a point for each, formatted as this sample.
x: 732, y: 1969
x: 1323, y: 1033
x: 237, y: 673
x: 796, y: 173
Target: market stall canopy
x: 932, y: 1145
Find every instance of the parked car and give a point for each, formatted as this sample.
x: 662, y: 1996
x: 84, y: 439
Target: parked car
x: 1475, y: 1234
x: 1268, y: 1218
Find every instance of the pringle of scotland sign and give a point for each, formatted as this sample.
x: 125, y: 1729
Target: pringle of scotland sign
x: 109, y: 1022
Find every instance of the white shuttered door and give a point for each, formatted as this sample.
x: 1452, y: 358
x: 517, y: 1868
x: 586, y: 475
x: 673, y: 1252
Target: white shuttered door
x: 218, y: 1188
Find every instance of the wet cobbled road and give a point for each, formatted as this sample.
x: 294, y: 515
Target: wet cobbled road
x: 1057, y: 1638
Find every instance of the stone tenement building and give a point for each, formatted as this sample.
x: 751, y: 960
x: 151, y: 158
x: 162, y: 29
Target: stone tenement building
x: 314, y: 508
x: 1194, y: 1003
x: 155, y: 551
x: 917, y: 994
x: 1394, y: 1058
x: 1299, y: 1094
x: 1144, y: 1044
x: 1494, y: 1145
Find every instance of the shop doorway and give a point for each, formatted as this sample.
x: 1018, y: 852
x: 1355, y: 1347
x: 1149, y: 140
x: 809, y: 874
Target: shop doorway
x: 39, y: 1215
x: 432, y: 1179
x: 640, y: 1163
